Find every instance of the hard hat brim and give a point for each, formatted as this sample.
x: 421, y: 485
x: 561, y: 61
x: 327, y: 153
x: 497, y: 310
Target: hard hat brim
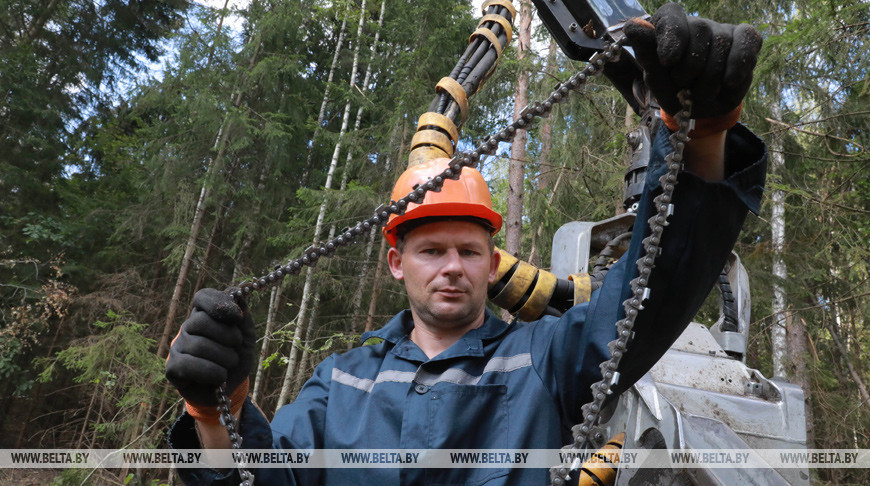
x: 444, y: 209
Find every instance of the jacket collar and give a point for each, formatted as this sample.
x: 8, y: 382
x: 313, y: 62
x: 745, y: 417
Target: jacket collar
x: 398, y: 327
x: 398, y: 330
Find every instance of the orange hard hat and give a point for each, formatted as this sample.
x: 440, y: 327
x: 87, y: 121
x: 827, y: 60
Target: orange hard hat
x: 468, y: 196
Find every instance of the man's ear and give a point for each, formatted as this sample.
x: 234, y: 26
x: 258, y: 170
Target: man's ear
x: 495, y: 260
x: 394, y: 258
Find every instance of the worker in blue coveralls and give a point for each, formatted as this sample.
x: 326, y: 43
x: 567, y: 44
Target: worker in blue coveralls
x: 447, y: 373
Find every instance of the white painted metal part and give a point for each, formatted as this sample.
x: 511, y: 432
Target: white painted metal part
x: 698, y: 396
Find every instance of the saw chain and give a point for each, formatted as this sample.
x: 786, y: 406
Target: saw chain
x: 585, y: 433
x: 232, y: 425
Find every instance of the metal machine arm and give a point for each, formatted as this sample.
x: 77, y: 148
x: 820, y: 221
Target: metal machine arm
x: 581, y: 27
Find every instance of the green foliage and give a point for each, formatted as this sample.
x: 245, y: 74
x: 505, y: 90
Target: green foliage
x: 11, y: 350
x: 56, y: 58
x: 119, y: 343
x: 70, y: 477
x: 33, y: 300
x: 130, y: 479
x: 117, y: 363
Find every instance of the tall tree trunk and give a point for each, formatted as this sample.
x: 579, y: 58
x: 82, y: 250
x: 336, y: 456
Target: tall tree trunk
x: 132, y: 433
x: 209, y: 251
x: 99, y: 418
x: 81, y: 439
x: 302, y: 372
x: 534, y: 252
x: 514, y: 216
x: 274, y: 302
x: 187, y: 259
x: 361, y: 284
x: 376, y: 290
x: 326, y: 91
x: 213, y: 168
x: 217, y: 34
x: 239, y: 268
x: 363, y: 88
x: 345, y: 119
x: 307, y: 294
x: 357, y: 296
x: 796, y: 337
x: 844, y: 355
x: 161, y: 407
x: 777, y: 222
x: 546, y: 173
x: 379, y: 267
x: 297, y: 335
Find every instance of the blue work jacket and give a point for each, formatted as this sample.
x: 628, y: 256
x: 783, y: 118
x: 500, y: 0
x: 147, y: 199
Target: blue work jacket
x: 501, y: 386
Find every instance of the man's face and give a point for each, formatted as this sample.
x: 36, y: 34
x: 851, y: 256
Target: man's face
x: 447, y: 267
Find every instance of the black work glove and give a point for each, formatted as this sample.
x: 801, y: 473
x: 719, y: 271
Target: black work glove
x: 215, y: 345
x: 713, y: 60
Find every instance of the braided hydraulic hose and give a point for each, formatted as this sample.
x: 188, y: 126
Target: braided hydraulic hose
x: 438, y: 129
x: 609, y: 253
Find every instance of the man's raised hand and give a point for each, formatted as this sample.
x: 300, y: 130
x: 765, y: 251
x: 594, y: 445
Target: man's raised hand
x: 713, y: 60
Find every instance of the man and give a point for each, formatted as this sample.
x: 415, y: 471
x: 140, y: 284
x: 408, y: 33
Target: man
x: 450, y: 375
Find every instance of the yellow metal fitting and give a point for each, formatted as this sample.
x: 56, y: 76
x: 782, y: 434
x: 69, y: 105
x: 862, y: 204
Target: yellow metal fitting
x: 507, y: 262
x: 423, y: 154
x: 504, y: 3
x: 528, y: 287
x: 582, y: 287
x: 439, y: 121
x: 509, y: 31
x: 456, y: 91
x: 600, y: 470
x: 537, y: 302
x: 515, y: 288
x: 433, y: 138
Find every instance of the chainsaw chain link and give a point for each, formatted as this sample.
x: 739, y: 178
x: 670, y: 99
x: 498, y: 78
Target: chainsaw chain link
x: 585, y: 432
x: 232, y: 425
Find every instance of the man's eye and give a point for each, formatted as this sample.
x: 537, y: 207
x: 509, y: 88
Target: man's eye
x: 430, y: 251
x: 469, y: 253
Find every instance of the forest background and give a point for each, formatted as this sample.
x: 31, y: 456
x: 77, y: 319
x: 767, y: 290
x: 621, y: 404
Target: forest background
x: 152, y: 148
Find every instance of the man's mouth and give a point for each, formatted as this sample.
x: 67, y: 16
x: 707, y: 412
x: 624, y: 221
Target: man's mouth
x: 451, y: 292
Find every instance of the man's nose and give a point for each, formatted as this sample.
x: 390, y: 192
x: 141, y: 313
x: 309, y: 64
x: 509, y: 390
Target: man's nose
x: 452, y: 264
